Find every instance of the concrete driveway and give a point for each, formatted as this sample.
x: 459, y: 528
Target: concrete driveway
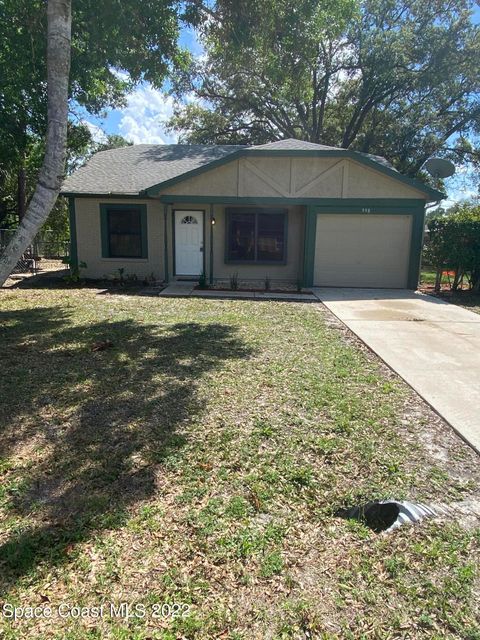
x: 433, y: 345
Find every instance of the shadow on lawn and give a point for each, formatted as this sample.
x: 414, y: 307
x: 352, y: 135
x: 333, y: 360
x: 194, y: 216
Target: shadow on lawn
x: 54, y: 281
x: 108, y: 418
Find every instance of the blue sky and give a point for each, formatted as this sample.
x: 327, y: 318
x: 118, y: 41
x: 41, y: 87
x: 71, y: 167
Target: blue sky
x: 142, y: 121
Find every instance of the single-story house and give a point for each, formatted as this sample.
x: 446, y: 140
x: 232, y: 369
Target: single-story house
x: 289, y: 210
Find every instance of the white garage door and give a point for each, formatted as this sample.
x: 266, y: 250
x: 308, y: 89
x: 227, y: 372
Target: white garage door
x: 361, y: 250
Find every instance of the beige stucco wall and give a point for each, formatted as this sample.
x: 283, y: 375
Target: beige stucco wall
x: 89, y: 242
x: 367, y: 183
x: 291, y: 177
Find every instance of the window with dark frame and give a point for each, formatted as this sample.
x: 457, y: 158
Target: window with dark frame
x: 256, y: 236
x: 124, y: 229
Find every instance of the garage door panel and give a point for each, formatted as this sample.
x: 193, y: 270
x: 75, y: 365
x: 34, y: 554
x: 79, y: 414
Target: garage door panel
x: 361, y: 250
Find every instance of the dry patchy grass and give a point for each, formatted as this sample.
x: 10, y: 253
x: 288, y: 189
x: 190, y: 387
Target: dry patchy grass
x: 200, y: 458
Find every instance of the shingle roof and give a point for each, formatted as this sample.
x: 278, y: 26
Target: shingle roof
x: 130, y: 170
x: 297, y: 145
x: 292, y: 144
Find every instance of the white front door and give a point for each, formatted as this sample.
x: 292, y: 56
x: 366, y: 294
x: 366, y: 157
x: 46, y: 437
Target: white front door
x: 188, y: 243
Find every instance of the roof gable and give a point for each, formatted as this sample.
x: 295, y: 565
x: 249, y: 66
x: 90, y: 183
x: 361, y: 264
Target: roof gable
x: 146, y: 170
x: 372, y: 162
x: 292, y: 177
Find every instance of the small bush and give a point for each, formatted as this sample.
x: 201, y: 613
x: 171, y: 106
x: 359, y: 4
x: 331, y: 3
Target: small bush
x: 202, y: 281
x: 455, y: 246
x: 74, y: 276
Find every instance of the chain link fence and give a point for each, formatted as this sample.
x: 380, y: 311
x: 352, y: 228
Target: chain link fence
x: 46, y: 246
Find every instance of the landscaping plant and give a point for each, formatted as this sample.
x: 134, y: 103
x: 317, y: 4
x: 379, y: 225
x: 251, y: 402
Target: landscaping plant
x: 455, y: 245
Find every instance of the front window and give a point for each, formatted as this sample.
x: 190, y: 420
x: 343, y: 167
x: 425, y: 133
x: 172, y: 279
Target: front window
x: 256, y: 236
x: 124, y: 231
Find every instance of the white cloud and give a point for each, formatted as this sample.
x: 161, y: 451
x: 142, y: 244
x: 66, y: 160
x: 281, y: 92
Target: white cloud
x: 121, y: 75
x: 97, y: 133
x: 143, y: 119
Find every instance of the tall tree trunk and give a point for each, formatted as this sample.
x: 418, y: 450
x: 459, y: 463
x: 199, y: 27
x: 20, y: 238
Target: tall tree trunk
x: 21, y: 192
x: 59, y: 14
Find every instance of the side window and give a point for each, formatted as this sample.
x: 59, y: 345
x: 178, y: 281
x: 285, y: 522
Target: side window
x: 124, y: 231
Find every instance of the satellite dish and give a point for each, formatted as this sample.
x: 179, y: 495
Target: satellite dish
x: 439, y: 168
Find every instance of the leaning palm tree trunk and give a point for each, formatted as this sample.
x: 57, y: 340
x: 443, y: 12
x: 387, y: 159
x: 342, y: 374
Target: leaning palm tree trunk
x: 59, y: 14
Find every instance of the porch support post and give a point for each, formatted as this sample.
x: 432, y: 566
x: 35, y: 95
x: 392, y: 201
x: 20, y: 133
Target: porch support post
x: 211, y: 243
x: 310, y: 231
x: 416, y: 243
x: 73, y: 257
x: 165, y: 241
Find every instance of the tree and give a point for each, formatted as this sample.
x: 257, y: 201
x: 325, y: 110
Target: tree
x: 113, y: 141
x: 59, y: 14
x: 138, y: 37
x: 455, y: 244
x: 397, y: 78
x: 79, y: 147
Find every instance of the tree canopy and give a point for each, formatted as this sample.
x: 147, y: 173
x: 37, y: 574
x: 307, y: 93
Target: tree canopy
x: 399, y: 78
x: 138, y: 37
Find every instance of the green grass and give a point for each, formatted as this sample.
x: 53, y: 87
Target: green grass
x: 427, y: 277
x: 201, y: 460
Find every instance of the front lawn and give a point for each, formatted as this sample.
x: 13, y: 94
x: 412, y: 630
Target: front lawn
x: 195, y: 452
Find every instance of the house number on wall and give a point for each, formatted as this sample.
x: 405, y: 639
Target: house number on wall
x: 365, y: 210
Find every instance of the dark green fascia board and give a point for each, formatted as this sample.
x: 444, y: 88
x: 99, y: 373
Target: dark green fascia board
x: 104, y: 227
x: 338, y: 203
x: 73, y: 233
x: 104, y: 196
x: 434, y: 194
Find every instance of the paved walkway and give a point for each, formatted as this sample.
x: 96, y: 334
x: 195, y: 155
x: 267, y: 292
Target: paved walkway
x: 433, y: 345
x: 187, y: 289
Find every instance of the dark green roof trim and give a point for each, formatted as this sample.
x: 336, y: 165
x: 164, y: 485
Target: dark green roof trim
x: 338, y: 203
x: 434, y: 194
x: 114, y: 196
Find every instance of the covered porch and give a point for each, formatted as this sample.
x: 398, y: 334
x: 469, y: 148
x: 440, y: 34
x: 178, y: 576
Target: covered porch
x: 218, y: 239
